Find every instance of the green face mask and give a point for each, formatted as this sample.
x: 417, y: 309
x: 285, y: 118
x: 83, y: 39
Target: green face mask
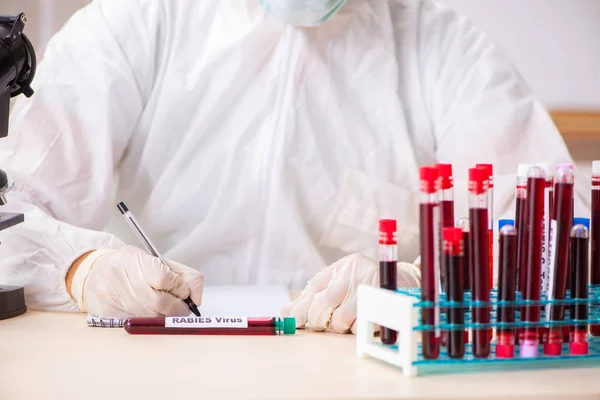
x: 302, y: 12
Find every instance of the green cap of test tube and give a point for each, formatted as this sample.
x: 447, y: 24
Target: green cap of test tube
x: 286, y: 326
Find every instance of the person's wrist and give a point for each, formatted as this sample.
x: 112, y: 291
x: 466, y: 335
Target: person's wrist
x: 73, y: 269
x: 85, y: 264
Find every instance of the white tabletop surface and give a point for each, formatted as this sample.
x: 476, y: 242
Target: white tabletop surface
x: 57, y: 356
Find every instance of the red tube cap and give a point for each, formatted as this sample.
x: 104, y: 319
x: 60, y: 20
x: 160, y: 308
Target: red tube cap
x: 387, y: 231
x: 489, y: 170
x: 429, y: 177
x: 453, y: 235
x: 579, y: 348
x: 552, y: 349
x: 505, y: 351
x: 478, y: 180
x: 446, y: 178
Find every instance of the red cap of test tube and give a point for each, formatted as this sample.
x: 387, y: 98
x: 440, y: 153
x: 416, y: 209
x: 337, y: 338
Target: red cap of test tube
x: 387, y: 231
x: 552, y: 349
x: 505, y: 351
x: 452, y: 240
x: 579, y: 348
x: 429, y: 177
x: 453, y: 235
x: 489, y: 169
x: 478, y: 180
x: 446, y: 179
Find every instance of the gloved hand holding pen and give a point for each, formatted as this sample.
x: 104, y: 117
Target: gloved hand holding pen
x: 328, y: 302
x: 129, y: 282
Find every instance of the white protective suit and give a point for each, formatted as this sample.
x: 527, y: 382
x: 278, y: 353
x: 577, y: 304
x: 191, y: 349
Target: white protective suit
x: 253, y: 150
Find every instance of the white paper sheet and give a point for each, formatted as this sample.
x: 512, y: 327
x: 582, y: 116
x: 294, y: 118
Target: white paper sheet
x: 244, y: 301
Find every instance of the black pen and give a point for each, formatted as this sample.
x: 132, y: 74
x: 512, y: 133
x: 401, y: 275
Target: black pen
x: 137, y: 229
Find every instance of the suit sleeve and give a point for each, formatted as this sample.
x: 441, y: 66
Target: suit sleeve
x: 64, y: 146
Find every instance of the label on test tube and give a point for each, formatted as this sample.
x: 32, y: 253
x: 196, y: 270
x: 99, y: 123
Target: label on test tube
x: 546, y: 242
x: 437, y: 223
x: 552, y: 258
x: 206, y: 322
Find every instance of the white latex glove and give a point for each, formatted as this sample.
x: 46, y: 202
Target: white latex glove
x: 129, y: 282
x: 328, y: 302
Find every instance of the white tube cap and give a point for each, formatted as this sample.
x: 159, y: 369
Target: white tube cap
x: 523, y: 170
x: 596, y: 167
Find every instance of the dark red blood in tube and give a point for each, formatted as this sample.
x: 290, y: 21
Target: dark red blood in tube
x: 532, y: 289
x: 453, y: 257
x: 580, y: 247
x: 478, y: 217
x: 429, y: 277
x: 595, y: 236
x: 563, y: 194
x: 507, y: 282
x: 388, y: 271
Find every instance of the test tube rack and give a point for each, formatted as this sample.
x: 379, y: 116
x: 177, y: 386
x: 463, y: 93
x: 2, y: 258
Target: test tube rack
x: 400, y: 310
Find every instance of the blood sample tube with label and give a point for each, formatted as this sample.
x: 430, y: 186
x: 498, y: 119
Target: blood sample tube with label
x: 548, y: 204
x: 507, y: 286
x: 521, y: 223
x: 478, y: 217
x: 580, y: 248
x: 388, y: 271
x: 536, y: 183
x: 452, y: 255
x: 489, y: 170
x: 210, y: 326
x: 428, y: 226
x: 571, y: 273
x: 595, y: 236
x: 561, y: 230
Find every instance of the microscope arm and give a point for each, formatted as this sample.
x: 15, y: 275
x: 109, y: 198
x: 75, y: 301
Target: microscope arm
x: 17, y: 70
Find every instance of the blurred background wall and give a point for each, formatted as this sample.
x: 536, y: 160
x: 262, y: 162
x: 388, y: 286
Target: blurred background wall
x: 554, y: 43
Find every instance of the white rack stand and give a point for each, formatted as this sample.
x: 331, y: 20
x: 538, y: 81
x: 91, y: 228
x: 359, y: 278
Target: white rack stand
x: 394, y: 311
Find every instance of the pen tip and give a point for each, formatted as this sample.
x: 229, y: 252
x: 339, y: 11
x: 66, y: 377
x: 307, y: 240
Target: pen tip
x: 193, y: 307
x: 122, y: 207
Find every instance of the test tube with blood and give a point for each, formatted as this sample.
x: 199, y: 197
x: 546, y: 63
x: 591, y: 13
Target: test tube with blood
x: 507, y: 282
x: 561, y: 228
x: 452, y: 257
x: 489, y: 170
x: 388, y: 259
x: 521, y: 226
x: 595, y: 237
x: 478, y: 217
x: 536, y: 183
x: 580, y: 247
x: 430, y: 281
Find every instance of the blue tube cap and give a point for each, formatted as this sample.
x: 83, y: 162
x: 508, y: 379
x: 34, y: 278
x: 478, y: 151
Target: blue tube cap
x: 503, y: 222
x: 582, y: 221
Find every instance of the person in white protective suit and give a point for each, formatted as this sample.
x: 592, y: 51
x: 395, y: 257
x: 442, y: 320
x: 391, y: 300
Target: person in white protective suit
x: 257, y: 142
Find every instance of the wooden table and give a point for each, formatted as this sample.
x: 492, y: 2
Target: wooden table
x: 56, y: 356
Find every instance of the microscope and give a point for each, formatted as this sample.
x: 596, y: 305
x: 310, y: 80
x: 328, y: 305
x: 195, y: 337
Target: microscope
x: 17, y: 69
